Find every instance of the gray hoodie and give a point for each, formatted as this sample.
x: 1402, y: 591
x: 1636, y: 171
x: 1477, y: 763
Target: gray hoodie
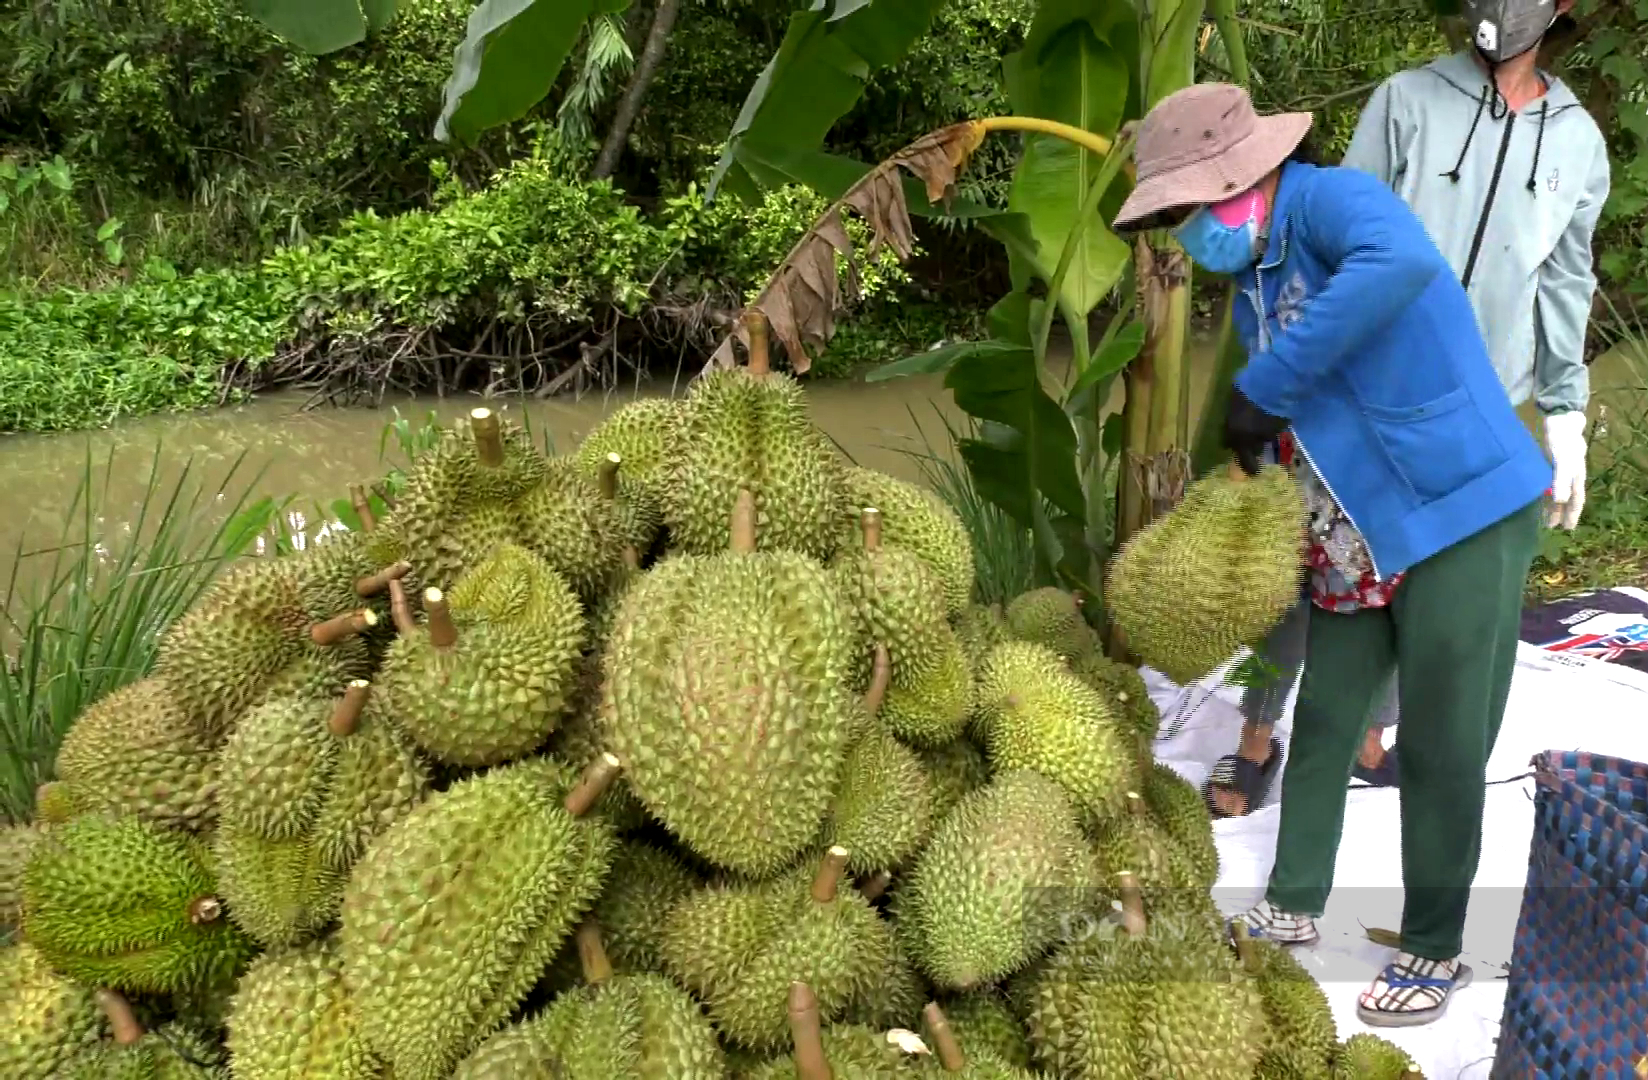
x: 1511, y: 199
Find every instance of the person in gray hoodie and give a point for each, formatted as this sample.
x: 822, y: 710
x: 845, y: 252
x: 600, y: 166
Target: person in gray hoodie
x: 1509, y: 173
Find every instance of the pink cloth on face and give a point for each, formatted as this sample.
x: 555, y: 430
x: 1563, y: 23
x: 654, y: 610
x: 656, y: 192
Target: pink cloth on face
x: 1239, y: 210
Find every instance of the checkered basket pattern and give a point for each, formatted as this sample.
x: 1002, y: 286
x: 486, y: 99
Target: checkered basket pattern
x: 1576, y: 1005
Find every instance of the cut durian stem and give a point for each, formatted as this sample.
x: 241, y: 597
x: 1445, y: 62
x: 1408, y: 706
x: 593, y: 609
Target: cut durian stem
x: 122, y: 1020
x: 881, y: 676
x: 347, y: 715
x: 593, y: 784
x: 1136, y: 806
x: 827, y: 882
x: 489, y: 437
x: 1249, y: 953
x: 945, y: 1043
x: 876, y: 885
x: 760, y: 361
x: 373, y: 584
x: 1133, y: 918
x: 443, y: 632
x: 205, y: 909
x: 869, y: 523
x: 400, y: 608
x: 363, y: 507
x: 592, y: 955
x: 807, y: 1032
x: 743, y: 522
x: 340, y: 627
x: 608, y: 476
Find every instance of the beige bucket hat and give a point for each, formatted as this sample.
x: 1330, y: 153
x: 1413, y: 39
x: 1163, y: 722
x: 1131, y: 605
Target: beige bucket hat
x: 1204, y: 144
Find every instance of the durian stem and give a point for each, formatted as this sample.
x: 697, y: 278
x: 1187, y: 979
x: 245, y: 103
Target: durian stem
x: 756, y: 324
x: 827, y: 882
x: 363, y: 507
x: 944, y: 1038
x: 489, y: 437
x: 340, y: 627
x: 876, y: 886
x: 743, y: 522
x: 1245, y: 950
x: 1136, y: 806
x: 608, y: 477
x: 596, y: 779
x: 121, y: 1017
x: 807, y: 1032
x: 400, y: 608
x: 347, y: 715
x: 443, y: 632
x: 373, y: 584
x: 205, y: 909
x: 1133, y: 919
x: 592, y: 955
x: 869, y: 523
x: 881, y: 676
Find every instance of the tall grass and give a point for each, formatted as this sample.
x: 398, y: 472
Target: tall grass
x: 81, y: 618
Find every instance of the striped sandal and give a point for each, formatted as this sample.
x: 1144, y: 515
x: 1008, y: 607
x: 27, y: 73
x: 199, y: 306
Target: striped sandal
x: 1411, y: 991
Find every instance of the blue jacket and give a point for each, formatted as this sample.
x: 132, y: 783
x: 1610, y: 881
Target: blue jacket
x: 1360, y: 335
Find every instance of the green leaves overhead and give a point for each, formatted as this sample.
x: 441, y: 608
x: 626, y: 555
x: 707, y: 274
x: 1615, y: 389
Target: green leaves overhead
x: 509, y: 60
x: 322, y: 26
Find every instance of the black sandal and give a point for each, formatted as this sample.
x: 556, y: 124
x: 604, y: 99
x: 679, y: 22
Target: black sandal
x: 1385, y: 774
x: 1246, y: 778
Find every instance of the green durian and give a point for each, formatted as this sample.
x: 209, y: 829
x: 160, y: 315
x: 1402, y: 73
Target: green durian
x: 289, y: 1019
x: 1052, y: 618
x: 639, y: 432
x: 46, y: 1019
x: 645, y: 883
x: 122, y: 903
x: 843, y: 1051
x: 520, y: 1052
x: 1035, y: 714
x: 579, y: 532
x: 339, y: 572
x: 453, y: 911
x: 882, y: 811
x: 1303, y: 1035
x: 932, y: 694
x: 1178, y: 806
x: 173, y: 1051
x: 17, y: 842
x: 1369, y: 1057
x: 581, y: 738
x: 918, y: 520
x: 897, y: 597
x: 1123, y: 687
x: 980, y: 629
x: 953, y: 770
x: 966, y: 1061
x: 1134, y: 842
x: 895, y: 1001
x: 985, y: 1024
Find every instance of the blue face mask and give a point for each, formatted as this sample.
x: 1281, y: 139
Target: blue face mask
x: 1224, y: 238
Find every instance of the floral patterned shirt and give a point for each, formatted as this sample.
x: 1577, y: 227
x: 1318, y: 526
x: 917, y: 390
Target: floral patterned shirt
x: 1341, y: 570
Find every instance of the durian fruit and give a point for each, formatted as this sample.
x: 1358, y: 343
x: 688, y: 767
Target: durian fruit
x: 637, y: 509
x: 55, y: 803
x: 894, y: 1002
x: 492, y: 672
x: 1052, y: 618
x: 290, y: 1019
x: 639, y: 432
x: 984, y: 1023
x: 998, y: 883
x: 932, y: 693
x: 577, y: 530
x: 1214, y: 575
x: 1369, y: 1057
x: 135, y: 752
x: 897, y: 597
x: 122, y: 903
x: 638, y: 1026
x: 1135, y: 843
x: 1125, y: 689
x: 46, y: 1020
x: 836, y: 1052
x: 748, y: 429
x: 1303, y: 1035
x: 581, y: 737
x: 340, y: 573
x: 1036, y: 715
x: 953, y: 770
x: 917, y: 520
x: 951, y: 1059
x: 453, y: 912
x: 174, y: 1051
x: 17, y: 843
x: 981, y: 628
x: 1177, y: 805
x: 725, y: 697
x: 309, y: 784
x: 738, y: 947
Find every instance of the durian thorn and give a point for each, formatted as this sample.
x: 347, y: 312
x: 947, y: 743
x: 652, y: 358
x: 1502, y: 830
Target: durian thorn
x: 944, y: 1038
x: 592, y: 955
x: 755, y: 323
x: 743, y: 522
x: 807, y: 1032
x: 598, y: 776
x: 363, y: 507
x: 373, y: 584
x: 121, y: 1017
x: 876, y: 885
x: 827, y: 882
x: 339, y: 627
x: 632, y: 560
x: 1133, y: 919
x: 1245, y: 948
x: 489, y: 437
x: 869, y: 523
x: 347, y: 715
x: 205, y: 909
x: 400, y: 608
x: 443, y: 632
x: 608, y: 476
x: 881, y: 676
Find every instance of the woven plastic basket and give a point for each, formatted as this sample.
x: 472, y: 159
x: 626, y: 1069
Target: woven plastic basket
x: 1576, y: 1005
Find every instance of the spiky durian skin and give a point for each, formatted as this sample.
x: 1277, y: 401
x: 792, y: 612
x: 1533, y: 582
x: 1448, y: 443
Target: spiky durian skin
x: 454, y: 911
x: 330, y: 569
x: 519, y: 1052
x: 1036, y: 715
x: 639, y: 433
x: 1082, y: 1010
x: 918, y: 520
x: 953, y: 770
x: 1137, y: 844
x: 581, y: 738
x: 640, y: 1026
x: 1124, y: 688
x: 502, y: 689
x: 725, y: 699
x: 983, y: 1023
x: 897, y: 598
x: 739, y: 947
x: 1303, y: 1035
x: 1178, y: 806
x: 1052, y: 617
x: 1200, y: 1016
x: 17, y: 843
x: 931, y: 694
x: 1217, y: 573
x: 46, y: 1019
x: 568, y: 523
x: 738, y: 430
x: 995, y: 885
x: 980, y: 629
x: 883, y: 809
x: 854, y: 1051
x: 107, y: 902
x: 290, y: 1019
x: 174, y: 1051
x: 645, y: 883
x: 1369, y: 1057
x: 896, y: 1001
x: 135, y: 752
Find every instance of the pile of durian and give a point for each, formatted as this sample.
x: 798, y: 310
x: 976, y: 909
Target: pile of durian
x: 684, y: 756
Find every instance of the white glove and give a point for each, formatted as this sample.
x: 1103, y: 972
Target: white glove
x: 1565, y: 439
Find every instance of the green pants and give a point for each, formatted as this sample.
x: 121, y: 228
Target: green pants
x: 1452, y: 629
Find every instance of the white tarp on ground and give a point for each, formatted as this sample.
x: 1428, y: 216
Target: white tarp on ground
x: 1557, y: 703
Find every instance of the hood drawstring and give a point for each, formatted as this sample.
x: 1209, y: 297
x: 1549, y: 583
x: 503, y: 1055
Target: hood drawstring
x: 1481, y: 103
x: 1539, y: 141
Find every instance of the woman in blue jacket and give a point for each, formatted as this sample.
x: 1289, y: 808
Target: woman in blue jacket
x: 1363, y: 347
